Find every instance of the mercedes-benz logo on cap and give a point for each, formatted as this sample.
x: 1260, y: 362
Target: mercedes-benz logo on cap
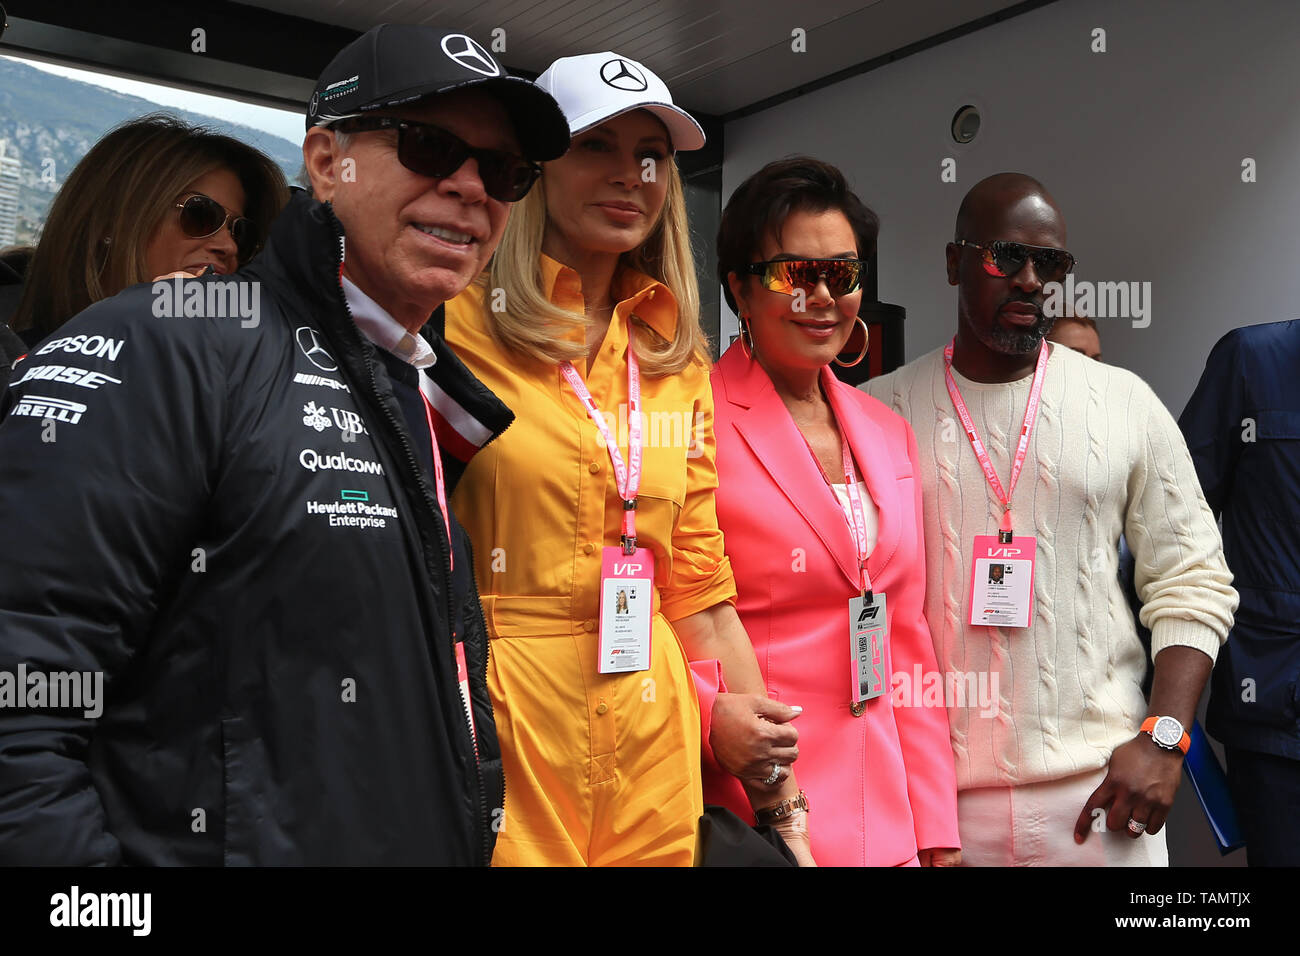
x: 314, y: 104
x: 622, y: 75
x: 467, y: 52
x: 312, y: 347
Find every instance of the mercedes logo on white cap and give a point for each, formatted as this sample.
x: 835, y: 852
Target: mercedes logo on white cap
x: 622, y: 75
x: 468, y: 53
x: 310, y: 343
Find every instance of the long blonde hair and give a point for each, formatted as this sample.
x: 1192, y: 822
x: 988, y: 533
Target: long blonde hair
x: 99, y: 226
x: 532, y: 326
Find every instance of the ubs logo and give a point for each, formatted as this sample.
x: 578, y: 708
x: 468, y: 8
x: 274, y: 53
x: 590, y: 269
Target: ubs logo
x: 622, y: 75
x: 310, y: 342
x: 466, y: 52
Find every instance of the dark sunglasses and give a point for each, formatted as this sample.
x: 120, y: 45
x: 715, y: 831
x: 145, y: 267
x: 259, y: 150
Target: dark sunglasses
x: 433, y: 151
x: 842, y: 276
x: 202, y: 216
x: 1003, y: 259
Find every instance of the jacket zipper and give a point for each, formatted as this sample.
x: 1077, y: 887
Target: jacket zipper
x: 487, y: 659
x: 442, y: 548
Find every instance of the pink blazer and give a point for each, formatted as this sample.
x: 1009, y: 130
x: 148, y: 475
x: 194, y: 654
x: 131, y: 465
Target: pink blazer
x: 882, y: 785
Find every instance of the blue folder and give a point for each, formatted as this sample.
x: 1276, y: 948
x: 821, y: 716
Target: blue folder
x: 1211, y: 786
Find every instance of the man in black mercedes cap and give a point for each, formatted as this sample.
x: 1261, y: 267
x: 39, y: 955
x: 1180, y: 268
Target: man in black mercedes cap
x: 238, y: 623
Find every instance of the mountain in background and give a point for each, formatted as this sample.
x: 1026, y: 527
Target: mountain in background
x: 47, y: 116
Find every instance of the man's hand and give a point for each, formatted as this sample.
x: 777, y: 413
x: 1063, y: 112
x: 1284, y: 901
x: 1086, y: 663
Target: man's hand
x: 939, y: 856
x: 749, y: 733
x: 1140, y: 784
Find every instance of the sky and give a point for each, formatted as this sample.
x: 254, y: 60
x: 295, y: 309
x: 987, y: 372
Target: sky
x: 279, y: 122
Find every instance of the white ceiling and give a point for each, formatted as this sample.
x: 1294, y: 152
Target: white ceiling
x: 717, y: 56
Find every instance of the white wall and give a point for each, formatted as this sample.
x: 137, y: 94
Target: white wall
x: 1141, y: 146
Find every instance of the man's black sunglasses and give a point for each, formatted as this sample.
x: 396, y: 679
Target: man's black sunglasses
x: 433, y: 151
x: 1002, y: 258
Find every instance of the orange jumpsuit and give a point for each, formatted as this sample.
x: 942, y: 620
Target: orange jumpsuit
x: 601, y: 769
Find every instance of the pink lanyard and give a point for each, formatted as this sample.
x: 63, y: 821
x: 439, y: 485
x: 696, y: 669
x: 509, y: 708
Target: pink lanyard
x: 1031, y: 413
x: 627, y: 477
x: 438, y: 480
x: 857, y: 516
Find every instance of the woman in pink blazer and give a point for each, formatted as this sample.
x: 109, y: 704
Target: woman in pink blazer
x: 875, y: 764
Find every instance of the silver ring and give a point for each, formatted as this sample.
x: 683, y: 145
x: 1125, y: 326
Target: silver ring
x: 776, y: 775
x: 1135, y: 827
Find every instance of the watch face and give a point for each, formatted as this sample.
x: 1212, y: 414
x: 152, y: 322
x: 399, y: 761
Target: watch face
x: 1168, y: 732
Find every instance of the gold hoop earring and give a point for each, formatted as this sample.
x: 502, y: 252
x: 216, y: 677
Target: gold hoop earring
x: 866, y: 341
x: 746, y: 338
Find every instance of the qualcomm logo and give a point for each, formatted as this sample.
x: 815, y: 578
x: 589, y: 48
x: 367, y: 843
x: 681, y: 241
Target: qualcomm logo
x: 314, y: 461
x: 466, y: 52
x: 309, y: 341
x: 622, y: 75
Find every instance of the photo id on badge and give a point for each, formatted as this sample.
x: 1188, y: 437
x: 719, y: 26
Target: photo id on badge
x: 626, y: 610
x: 1002, y: 581
x: 868, y: 634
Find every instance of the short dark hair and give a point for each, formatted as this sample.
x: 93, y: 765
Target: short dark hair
x: 766, y: 199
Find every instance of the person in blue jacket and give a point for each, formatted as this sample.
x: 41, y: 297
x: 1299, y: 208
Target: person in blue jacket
x: 1242, y: 426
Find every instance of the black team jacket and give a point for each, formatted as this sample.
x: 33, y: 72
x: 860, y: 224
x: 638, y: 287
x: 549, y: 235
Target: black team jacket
x: 223, y: 522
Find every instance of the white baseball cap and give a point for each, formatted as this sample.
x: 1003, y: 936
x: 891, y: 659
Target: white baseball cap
x: 595, y: 87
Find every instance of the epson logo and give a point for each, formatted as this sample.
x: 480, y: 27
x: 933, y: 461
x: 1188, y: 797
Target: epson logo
x: 98, y: 346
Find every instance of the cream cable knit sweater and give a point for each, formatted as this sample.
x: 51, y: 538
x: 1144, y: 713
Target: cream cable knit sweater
x: 1105, y: 458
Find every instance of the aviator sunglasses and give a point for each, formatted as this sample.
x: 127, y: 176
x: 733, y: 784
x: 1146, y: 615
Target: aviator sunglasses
x: 1002, y: 259
x: 433, y: 151
x: 202, y: 216
x: 842, y: 276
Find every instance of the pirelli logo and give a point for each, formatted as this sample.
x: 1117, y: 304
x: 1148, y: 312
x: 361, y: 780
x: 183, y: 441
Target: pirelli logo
x: 59, y: 409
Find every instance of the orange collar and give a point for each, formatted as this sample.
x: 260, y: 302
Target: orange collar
x: 637, y: 293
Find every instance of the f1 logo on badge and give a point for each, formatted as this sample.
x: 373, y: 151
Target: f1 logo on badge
x: 868, y: 613
x: 622, y: 75
x: 466, y: 52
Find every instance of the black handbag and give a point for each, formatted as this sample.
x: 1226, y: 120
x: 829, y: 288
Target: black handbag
x: 727, y: 840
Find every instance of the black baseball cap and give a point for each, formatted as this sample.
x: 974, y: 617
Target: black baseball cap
x: 397, y: 63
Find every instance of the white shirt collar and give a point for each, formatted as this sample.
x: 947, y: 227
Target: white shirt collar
x: 385, y: 331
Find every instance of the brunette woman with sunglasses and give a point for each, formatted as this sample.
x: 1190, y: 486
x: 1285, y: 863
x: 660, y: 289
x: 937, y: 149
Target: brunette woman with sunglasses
x: 587, y: 326
x: 154, y: 197
x: 820, y: 503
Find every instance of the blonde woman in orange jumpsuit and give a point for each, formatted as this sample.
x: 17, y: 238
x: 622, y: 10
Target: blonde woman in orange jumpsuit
x: 602, y: 763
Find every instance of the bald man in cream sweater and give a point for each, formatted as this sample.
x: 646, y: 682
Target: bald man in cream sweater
x: 1070, y: 766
